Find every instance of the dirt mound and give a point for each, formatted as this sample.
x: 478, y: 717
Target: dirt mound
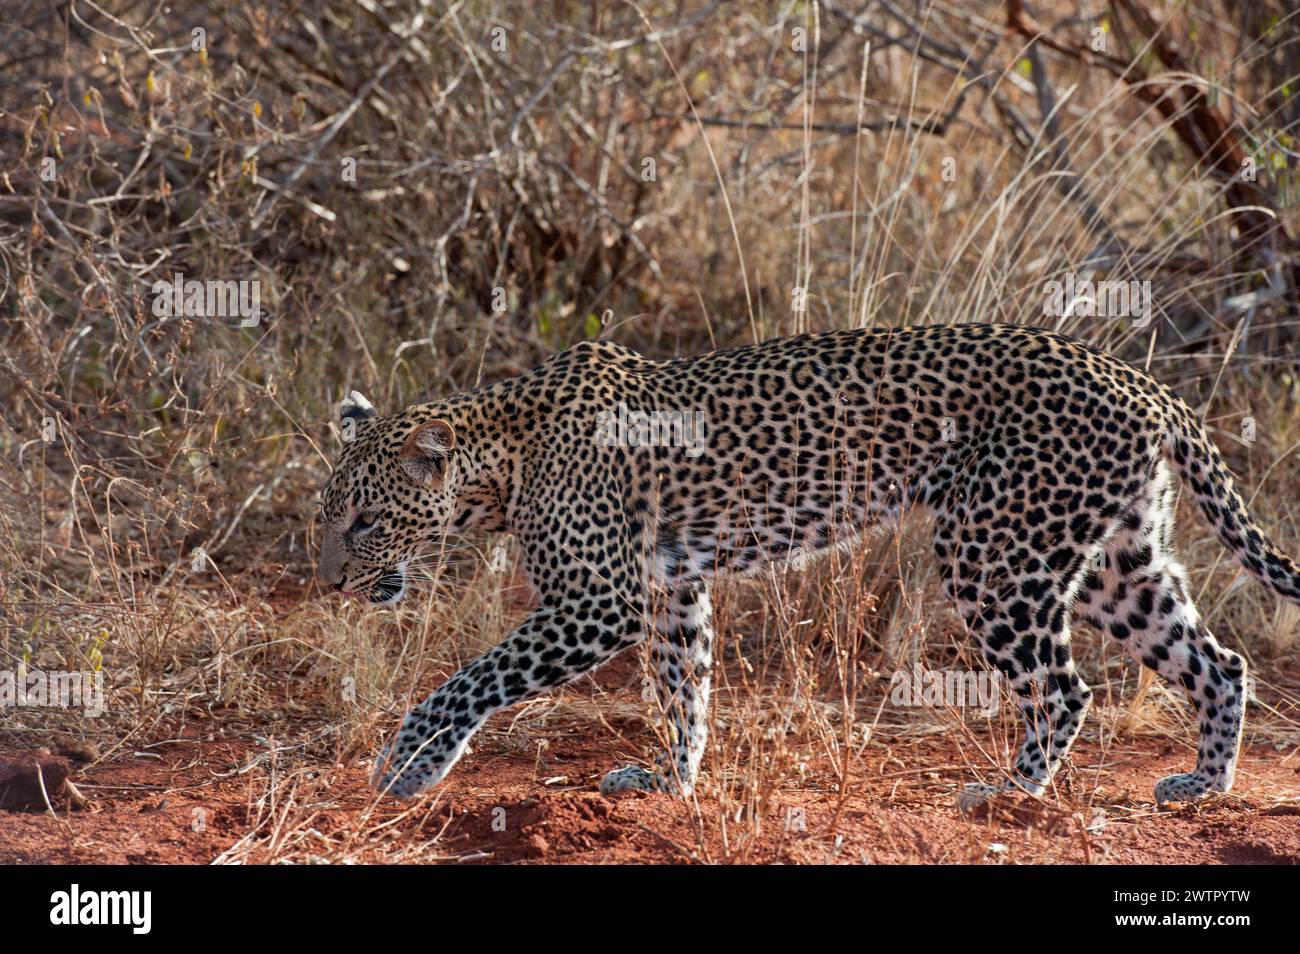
x: 34, y: 781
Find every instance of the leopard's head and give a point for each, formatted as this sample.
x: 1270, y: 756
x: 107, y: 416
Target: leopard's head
x: 393, y: 489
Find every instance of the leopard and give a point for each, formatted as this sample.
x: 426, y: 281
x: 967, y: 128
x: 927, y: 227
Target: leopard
x: 631, y: 484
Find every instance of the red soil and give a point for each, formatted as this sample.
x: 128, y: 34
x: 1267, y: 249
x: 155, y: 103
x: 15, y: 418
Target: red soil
x: 502, y: 806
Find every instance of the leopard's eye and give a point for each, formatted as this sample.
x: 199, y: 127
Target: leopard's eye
x: 365, y: 520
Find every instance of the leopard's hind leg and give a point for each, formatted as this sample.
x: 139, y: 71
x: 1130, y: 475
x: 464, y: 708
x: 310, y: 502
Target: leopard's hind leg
x: 1015, y: 604
x: 1140, y: 597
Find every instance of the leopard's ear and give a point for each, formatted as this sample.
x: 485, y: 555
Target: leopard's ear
x: 427, y: 451
x: 356, y: 408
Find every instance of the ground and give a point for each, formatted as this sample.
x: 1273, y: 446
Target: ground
x: 230, y: 793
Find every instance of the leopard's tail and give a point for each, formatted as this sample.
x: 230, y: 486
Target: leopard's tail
x: 1207, y: 475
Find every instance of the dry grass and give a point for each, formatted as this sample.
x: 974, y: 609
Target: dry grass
x: 161, y: 471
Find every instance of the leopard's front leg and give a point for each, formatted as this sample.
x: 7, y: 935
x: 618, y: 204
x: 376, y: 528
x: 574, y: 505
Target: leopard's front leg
x: 554, y: 645
x: 682, y: 655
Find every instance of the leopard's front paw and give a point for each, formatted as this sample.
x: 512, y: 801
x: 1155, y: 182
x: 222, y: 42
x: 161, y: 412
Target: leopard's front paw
x: 631, y: 778
x: 975, y: 795
x: 400, y: 781
x: 1180, y: 788
x: 420, y: 756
